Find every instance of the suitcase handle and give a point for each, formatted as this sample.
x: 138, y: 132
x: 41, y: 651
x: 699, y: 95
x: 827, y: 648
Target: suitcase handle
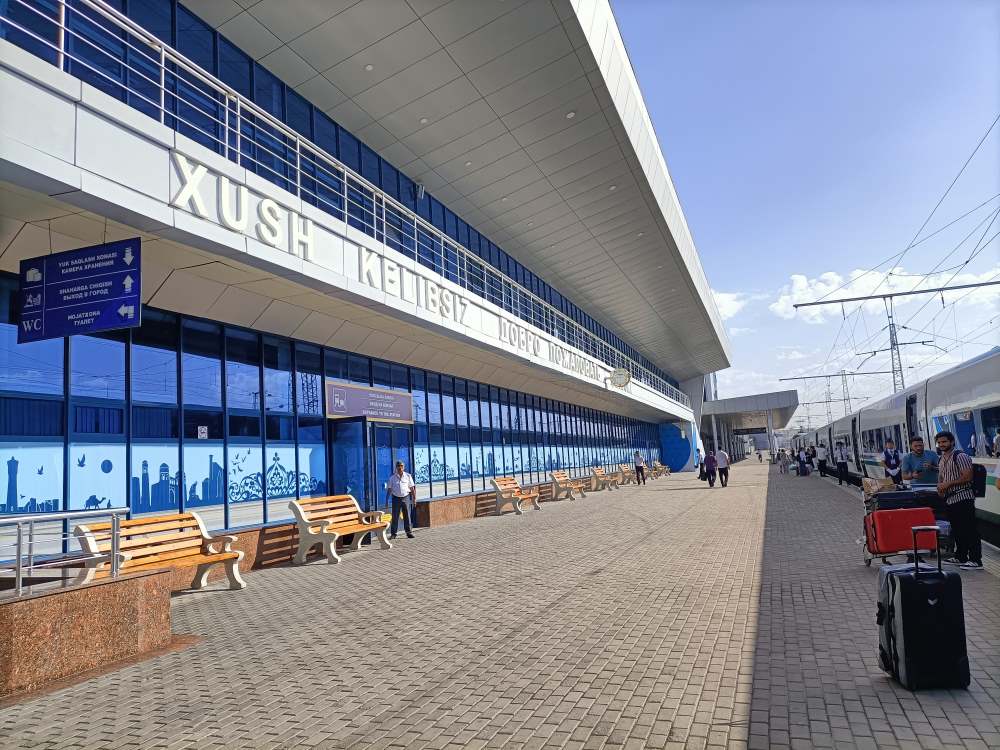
x: 937, y: 546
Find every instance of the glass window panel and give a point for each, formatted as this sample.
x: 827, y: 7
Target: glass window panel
x: 435, y: 435
x: 31, y: 429
x: 154, y: 358
x: 349, y: 153
x: 201, y: 364
x: 244, y: 456
x: 234, y: 67
x: 298, y: 113
x: 381, y: 373
x: 358, y: 369
x: 97, y: 367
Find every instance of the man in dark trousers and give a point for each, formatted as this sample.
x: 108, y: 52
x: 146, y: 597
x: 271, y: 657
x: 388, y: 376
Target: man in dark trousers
x: 400, y: 487
x: 955, y: 486
x: 840, y: 456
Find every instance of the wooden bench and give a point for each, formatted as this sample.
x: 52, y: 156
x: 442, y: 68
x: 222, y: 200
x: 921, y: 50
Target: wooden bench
x: 660, y: 470
x: 603, y: 480
x: 627, y: 474
x: 509, y: 490
x: 561, y: 483
x: 323, y: 520
x: 178, y: 540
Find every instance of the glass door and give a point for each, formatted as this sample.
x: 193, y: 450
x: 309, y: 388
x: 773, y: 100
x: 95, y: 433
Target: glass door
x: 390, y: 443
x: 349, y: 458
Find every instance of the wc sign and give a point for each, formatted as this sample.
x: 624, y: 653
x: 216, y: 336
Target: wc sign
x: 97, y: 288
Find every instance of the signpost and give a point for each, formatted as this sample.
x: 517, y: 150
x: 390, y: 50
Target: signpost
x: 359, y: 401
x: 81, y: 291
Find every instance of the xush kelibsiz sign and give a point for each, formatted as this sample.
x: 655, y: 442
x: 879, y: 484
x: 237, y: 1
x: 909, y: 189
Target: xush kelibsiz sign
x: 88, y: 290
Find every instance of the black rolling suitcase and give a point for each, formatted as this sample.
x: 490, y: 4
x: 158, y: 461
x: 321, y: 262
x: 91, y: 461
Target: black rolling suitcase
x: 922, y: 625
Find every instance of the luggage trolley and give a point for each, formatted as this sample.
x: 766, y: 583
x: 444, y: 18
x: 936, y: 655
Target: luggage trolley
x: 890, y: 515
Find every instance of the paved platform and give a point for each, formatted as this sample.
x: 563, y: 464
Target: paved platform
x: 666, y: 616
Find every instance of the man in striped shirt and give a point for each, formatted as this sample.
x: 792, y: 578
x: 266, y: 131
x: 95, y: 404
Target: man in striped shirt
x: 955, y: 486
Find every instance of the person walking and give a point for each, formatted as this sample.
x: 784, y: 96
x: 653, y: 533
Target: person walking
x: 920, y: 467
x: 711, y: 464
x: 840, y: 457
x: 400, y: 487
x: 782, y: 461
x: 821, y: 459
x: 760, y: 459
x: 955, y: 486
x: 803, y: 460
x: 640, y: 467
x: 723, y: 462
x: 892, y: 462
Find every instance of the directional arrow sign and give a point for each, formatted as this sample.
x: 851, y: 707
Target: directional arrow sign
x: 81, y: 291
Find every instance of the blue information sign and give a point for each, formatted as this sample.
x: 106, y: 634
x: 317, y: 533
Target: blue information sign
x: 80, y: 291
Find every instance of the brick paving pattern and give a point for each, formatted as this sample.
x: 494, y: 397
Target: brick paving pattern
x: 666, y: 616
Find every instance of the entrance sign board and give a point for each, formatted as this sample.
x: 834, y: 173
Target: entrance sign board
x: 374, y: 403
x: 83, y: 291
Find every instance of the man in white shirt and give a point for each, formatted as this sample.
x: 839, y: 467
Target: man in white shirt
x: 840, y: 456
x: 821, y: 459
x: 723, y: 461
x: 400, y: 487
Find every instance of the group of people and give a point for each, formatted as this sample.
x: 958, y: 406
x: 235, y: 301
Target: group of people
x: 715, y: 465
x: 815, y: 458
x: 948, y: 472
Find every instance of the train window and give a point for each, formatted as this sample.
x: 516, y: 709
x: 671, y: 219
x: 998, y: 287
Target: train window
x: 898, y: 434
x: 990, y: 421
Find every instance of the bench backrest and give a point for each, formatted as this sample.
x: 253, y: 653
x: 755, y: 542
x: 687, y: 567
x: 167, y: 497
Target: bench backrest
x: 506, y: 484
x: 169, y: 537
x: 599, y: 471
x: 560, y: 476
x: 625, y: 468
x: 335, y: 510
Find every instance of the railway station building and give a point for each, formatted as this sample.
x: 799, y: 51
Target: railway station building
x: 438, y: 232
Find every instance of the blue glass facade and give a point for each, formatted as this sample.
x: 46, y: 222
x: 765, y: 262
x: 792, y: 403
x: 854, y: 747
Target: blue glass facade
x: 184, y: 413
x: 120, y: 64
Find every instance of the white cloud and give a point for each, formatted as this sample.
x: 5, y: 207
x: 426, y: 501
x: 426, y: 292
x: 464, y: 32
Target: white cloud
x: 860, y: 283
x: 730, y: 304
x: 792, y: 354
x: 734, y: 332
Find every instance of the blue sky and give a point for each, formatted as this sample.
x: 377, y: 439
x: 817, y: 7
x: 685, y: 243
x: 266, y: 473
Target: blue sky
x: 812, y: 138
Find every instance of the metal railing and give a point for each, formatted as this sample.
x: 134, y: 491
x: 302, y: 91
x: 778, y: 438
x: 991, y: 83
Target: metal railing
x: 27, y: 535
x: 104, y: 47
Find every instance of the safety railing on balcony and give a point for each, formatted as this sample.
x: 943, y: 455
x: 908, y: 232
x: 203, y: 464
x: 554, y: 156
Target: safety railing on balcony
x: 100, y: 45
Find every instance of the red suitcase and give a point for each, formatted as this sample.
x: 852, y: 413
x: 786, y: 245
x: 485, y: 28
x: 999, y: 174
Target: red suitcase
x: 889, y: 532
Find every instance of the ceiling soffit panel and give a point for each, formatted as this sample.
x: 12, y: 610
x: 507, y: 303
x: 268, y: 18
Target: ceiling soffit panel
x: 530, y: 114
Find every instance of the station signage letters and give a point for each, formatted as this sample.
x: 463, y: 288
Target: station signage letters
x: 573, y: 362
x: 520, y: 338
x: 92, y: 289
x: 269, y: 222
x: 388, y: 276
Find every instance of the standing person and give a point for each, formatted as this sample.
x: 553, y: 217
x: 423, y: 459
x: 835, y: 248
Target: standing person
x: 920, y: 467
x: 760, y: 459
x: 821, y: 458
x: 640, y: 467
x: 400, y: 487
x: 840, y: 456
x: 996, y: 444
x: 803, y: 459
x: 710, y: 466
x: 782, y: 461
x: 700, y: 463
x: 955, y: 486
x: 723, y: 462
x: 892, y: 462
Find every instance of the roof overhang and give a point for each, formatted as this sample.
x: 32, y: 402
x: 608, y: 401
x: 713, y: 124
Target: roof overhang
x: 474, y: 99
x: 750, y: 412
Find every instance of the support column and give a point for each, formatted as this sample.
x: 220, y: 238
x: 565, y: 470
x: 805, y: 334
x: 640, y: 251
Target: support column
x: 770, y: 432
x: 715, y: 434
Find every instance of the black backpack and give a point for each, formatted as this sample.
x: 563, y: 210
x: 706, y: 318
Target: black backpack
x: 979, y: 480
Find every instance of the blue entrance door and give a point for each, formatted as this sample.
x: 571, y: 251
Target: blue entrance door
x: 390, y: 443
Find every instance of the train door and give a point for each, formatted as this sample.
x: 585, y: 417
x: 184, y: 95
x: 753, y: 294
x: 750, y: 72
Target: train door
x: 855, y: 443
x: 912, y: 421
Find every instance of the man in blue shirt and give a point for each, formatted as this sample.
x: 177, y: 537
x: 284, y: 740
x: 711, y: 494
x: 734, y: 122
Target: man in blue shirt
x: 920, y: 467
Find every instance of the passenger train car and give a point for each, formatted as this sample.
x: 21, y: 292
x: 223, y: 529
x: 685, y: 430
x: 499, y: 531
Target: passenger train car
x: 964, y: 400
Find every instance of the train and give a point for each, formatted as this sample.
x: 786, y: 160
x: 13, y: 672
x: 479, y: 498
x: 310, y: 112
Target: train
x: 964, y: 400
